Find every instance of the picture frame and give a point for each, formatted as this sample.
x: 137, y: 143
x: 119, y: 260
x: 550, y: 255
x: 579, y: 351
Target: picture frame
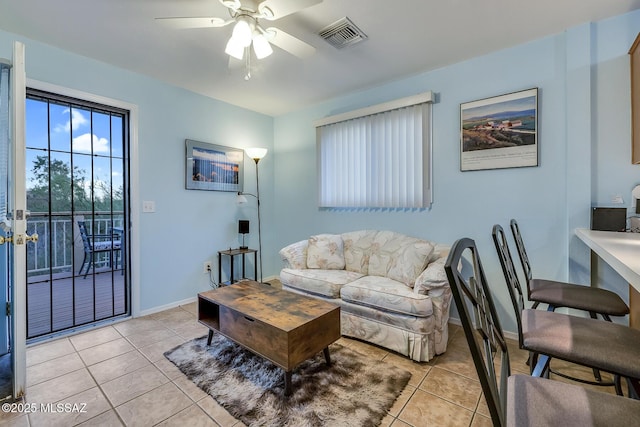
x: 213, y: 167
x: 499, y: 132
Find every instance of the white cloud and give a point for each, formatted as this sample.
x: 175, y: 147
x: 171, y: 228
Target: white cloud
x: 77, y: 120
x: 84, y: 141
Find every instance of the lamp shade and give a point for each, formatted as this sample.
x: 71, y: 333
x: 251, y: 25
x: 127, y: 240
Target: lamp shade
x: 243, y: 226
x: 234, y: 48
x: 261, y: 46
x: 242, y: 32
x: 241, y: 199
x: 256, y: 153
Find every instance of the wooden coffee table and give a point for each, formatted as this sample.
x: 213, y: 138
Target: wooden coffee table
x: 281, y: 326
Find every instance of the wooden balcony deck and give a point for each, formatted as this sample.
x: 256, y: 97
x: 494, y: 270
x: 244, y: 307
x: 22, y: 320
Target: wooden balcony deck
x: 68, y: 301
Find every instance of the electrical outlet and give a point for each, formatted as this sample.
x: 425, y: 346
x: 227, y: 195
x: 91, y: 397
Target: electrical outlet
x: 617, y: 199
x: 206, y: 267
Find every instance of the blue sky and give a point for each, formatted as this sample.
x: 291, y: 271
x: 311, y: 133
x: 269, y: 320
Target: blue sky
x: 74, y: 132
x: 527, y: 103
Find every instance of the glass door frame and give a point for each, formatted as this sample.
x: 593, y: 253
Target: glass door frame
x: 133, y: 251
x: 17, y: 183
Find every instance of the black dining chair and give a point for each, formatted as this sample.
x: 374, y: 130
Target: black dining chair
x: 562, y: 294
x: 98, y: 243
x: 521, y: 400
x: 602, y: 346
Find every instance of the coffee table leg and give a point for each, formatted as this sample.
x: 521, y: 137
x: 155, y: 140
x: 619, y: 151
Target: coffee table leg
x: 209, y: 337
x: 287, y: 383
x: 327, y: 356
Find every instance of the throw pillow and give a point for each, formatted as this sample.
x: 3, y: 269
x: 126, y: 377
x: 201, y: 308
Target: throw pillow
x: 433, y: 277
x: 399, y: 257
x: 325, y: 251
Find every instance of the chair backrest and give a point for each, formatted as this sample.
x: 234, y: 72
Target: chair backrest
x: 510, y: 276
x: 86, y: 239
x: 522, y: 253
x: 481, y: 326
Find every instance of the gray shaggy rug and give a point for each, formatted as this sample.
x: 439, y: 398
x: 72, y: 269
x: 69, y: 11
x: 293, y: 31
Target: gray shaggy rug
x: 354, y: 391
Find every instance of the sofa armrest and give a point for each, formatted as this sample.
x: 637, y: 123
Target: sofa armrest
x: 295, y: 255
x: 433, y: 282
x: 433, y: 277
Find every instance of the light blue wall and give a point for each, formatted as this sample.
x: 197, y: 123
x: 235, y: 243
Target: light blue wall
x: 583, y: 80
x: 188, y: 227
x: 584, y: 121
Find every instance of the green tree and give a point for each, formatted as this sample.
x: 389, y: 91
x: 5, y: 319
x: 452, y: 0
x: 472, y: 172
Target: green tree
x: 57, y: 180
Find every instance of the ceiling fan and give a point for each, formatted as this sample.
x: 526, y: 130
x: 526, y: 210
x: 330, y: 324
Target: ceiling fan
x: 247, y: 31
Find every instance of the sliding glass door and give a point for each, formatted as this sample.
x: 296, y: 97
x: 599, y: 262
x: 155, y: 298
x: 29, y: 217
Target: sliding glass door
x: 77, y: 195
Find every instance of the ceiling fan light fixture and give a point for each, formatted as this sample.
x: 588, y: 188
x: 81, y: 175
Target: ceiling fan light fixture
x: 231, y: 4
x: 266, y: 12
x: 242, y: 31
x: 234, y: 48
x: 261, y: 46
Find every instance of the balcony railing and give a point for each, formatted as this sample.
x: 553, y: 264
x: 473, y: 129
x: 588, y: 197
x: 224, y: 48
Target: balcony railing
x: 54, y: 250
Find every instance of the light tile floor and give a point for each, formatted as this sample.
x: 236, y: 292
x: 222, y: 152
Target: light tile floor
x: 120, y: 373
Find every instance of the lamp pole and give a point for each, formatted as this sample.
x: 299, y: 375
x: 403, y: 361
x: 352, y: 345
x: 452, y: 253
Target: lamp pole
x: 259, y: 228
x: 257, y: 154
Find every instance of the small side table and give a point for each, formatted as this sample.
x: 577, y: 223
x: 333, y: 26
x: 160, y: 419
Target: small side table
x: 231, y: 253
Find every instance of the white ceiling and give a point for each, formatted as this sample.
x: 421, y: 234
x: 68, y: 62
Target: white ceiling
x: 405, y: 37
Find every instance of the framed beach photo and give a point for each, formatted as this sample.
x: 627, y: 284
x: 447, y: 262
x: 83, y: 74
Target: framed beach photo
x: 500, y: 132
x: 213, y: 167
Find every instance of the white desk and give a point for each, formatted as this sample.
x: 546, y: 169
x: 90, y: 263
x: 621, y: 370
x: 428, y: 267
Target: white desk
x: 622, y: 252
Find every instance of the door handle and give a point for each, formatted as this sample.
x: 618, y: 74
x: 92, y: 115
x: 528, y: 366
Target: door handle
x: 19, y: 239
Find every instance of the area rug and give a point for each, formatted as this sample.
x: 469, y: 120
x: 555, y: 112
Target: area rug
x: 355, y: 390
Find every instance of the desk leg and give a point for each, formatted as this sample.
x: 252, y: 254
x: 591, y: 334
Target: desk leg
x: 244, y: 275
x: 287, y: 383
x: 634, y: 308
x: 232, y: 280
x: 255, y: 266
x: 219, y: 269
x: 594, y: 269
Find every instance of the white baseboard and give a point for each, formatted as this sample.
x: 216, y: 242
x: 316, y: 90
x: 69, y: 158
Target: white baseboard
x: 183, y: 302
x: 167, y: 306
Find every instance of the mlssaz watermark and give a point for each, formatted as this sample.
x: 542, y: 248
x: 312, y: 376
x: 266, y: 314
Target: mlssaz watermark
x: 50, y: 408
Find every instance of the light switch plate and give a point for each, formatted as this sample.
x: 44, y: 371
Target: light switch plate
x: 148, y: 206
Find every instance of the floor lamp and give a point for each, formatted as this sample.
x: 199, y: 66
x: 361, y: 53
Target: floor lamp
x: 256, y: 154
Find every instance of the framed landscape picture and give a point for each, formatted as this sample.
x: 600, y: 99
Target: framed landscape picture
x: 499, y: 132
x: 213, y: 167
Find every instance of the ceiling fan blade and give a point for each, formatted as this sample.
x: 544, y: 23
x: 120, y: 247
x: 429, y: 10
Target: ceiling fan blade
x: 276, y: 9
x: 193, y: 22
x: 286, y: 41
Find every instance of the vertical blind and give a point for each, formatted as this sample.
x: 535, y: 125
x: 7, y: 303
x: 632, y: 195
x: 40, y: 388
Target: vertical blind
x: 379, y: 160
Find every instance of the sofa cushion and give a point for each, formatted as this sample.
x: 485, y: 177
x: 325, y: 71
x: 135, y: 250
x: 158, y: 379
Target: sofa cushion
x: 325, y: 251
x: 316, y: 281
x: 388, y: 295
x: 398, y: 257
x: 357, y: 249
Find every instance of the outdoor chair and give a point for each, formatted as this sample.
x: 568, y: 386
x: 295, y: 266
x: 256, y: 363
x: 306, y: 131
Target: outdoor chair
x: 561, y: 294
x: 602, y: 346
x: 98, y: 243
x: 520, y: 400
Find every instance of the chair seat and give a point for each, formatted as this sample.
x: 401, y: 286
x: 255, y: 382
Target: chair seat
x: 561, y: 294
x: 603, y: 345
x: 106, y: 246
x: 538, y: 402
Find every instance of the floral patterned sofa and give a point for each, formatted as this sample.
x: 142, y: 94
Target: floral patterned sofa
x: 392, y: 288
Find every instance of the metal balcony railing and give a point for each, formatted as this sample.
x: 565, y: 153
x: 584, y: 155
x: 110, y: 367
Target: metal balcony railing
x: 54, y: 250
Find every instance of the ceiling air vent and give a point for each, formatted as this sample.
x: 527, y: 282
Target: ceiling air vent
x: 342, y: 33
